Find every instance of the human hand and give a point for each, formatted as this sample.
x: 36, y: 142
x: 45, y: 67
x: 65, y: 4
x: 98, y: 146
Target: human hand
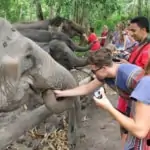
x: 58, y: 93
x: 103, y: 102
x: 84, y: 34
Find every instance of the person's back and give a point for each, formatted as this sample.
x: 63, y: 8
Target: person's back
x: 127, y: 76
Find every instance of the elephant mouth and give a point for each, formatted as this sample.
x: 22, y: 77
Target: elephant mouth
x: 56, y: 105
x: 60, y: 99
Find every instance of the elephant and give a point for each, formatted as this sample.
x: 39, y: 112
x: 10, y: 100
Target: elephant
x: 46, y: 36
x: 44, y: 46
x: 25, y: 68
x: 68, y: 27
x: 60, y: 51
x: 38, y: 25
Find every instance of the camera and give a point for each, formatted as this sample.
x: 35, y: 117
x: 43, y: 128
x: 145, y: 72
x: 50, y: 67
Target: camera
x: 98, y: 94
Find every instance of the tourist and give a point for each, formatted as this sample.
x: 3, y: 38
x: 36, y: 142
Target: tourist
x: 92, y: 38
x: 103, y: 35
x: 139, y: 29
x: 138, y: 123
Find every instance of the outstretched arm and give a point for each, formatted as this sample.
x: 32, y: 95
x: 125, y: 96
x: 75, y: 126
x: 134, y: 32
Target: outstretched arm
x: 102, y: 37
x: 85, y: 37
x: 80, y: 90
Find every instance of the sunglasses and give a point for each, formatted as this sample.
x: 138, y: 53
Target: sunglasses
x: 94, y: 71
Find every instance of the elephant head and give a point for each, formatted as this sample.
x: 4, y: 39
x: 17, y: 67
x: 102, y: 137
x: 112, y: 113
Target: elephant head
x: 58, y: 23
x: 33, y: 70
x: 46, y: 36
x: 61, y: 47
x: 38, y: 25
x: 25, y: 69
x: 65, y: 56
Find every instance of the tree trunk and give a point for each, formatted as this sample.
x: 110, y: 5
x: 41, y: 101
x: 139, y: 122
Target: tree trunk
x: 58, y: 10
x: 24, y: 122
x: 51, y: 12
x: 39, y: 12
x: 147, y: 9
x: 139, y: 8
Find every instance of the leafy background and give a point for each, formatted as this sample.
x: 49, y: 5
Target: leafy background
x: 87, y: 13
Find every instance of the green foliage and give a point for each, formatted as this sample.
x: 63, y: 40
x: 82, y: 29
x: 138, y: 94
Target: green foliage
x: 90, y: 12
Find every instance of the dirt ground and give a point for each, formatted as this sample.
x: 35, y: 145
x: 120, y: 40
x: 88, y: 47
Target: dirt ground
x: 99, y: 130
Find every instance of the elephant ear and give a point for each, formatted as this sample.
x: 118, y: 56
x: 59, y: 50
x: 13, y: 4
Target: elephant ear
x: 10, y: 66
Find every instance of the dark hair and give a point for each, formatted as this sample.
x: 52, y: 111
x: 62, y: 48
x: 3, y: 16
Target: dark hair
x: 91, y: 29
x: 142, y: 22
x: 100, y: 58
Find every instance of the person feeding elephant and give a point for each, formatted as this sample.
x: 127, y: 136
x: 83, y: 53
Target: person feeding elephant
x: 116, y: 76
x: 92, y: 38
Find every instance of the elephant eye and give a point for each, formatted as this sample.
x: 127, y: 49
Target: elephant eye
x: 28, y: 56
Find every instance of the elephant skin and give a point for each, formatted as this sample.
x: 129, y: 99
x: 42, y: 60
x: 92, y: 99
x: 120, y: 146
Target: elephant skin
x: 32, y: 63
x: 68, y: 27
x: 32, y: 25
x: 46, y: 36
x: 44, y: 46
x: 25, y: 68
x: 63, y: 55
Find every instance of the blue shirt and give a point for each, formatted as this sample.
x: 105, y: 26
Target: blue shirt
x: 141, y: 93
x: 126, y: 75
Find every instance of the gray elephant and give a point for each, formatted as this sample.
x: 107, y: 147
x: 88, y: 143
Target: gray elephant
x: 25, y: 68
x: 67, y: 26
x: 60, y: 47
x: 46, y: 36
x: 60, y: 51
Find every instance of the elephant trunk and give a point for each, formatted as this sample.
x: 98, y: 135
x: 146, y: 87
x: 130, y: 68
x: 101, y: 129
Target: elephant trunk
x: 77, y: 48
x: 33, y: 25
x: 76, y: 61
x: 36, y: 35
x: 70, y: 43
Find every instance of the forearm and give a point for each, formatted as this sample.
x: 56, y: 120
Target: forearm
x: 86, y: 38
x: 126, y: 122
x: 78, y: 91
x: 102, y: 37
x: 83, y: 89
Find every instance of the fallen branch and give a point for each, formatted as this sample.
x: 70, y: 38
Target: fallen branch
x: 23, y: 123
